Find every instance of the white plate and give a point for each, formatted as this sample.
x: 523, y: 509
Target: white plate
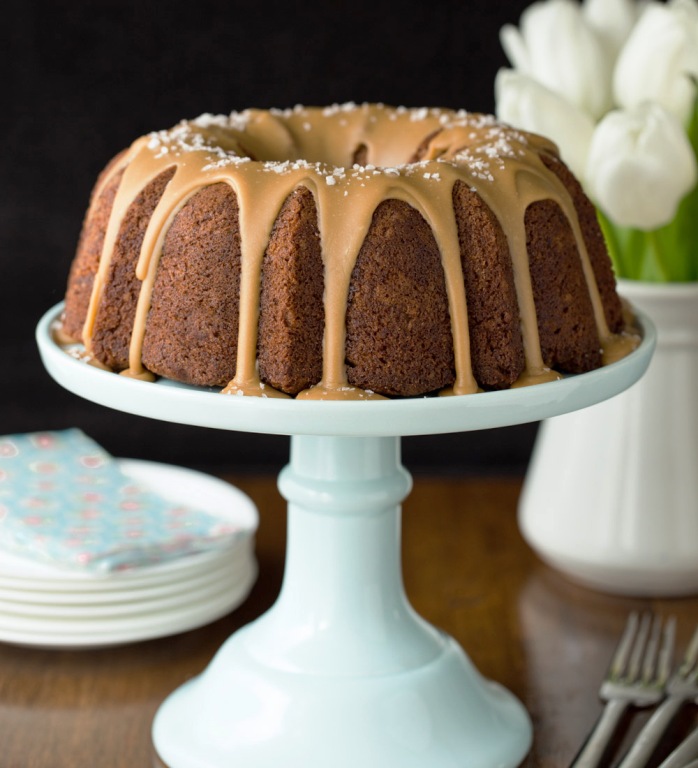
x: 148, y: 592
x: 56, y: 605
x: 121, y: 615
x: 93, y: 635
x: 51, y: 607
x: 180, y: 485
x: 77, y: 582
x: 18, y: 590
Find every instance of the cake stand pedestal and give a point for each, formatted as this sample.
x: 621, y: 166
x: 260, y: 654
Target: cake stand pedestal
x: 341, y: 671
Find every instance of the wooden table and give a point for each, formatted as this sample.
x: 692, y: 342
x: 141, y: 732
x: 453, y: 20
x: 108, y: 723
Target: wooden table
x: 466, y: 570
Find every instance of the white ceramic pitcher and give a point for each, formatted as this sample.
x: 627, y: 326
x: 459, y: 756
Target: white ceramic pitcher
x: 611, y: 494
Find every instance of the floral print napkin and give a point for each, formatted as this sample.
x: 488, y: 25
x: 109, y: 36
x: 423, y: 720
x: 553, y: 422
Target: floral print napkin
x: 65, y: 501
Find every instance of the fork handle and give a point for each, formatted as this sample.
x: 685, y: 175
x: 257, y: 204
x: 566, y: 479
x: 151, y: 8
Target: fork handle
x: 598, y: 741
x: 684, y: 754
x: 649, y: 737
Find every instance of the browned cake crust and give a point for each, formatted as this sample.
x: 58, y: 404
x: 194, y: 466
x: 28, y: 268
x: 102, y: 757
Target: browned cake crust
x: 117, y: 309
x: 398, y: 326
x: 594, y: 241
x: 89, y: 250
x: 191, y: 333
x: 493, y: 310
x: 568, y: 337
x: 292, y: 321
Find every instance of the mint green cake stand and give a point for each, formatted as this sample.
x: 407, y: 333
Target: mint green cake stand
x: 341, y: 672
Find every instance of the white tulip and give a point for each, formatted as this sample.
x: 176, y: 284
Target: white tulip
x: 660, y: 58
x: 612, y: 19
x: 526, y: 104
x: 558, y: 47
x: 640, y: 166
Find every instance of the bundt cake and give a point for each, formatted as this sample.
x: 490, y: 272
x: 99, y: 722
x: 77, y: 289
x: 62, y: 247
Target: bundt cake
x: 339, y: 252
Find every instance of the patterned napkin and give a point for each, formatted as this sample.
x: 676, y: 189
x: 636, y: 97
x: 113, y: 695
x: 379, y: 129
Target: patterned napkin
x: 64, y: 500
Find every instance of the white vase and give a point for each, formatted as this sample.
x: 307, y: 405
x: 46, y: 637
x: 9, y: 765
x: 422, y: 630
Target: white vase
x: 611, y: 494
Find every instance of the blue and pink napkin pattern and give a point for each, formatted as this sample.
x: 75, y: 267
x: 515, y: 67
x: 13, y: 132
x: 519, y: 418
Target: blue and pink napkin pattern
x: 65, y: 501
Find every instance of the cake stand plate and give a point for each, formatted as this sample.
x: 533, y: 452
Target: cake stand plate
x: 198, y: 406
x: 341, y: 671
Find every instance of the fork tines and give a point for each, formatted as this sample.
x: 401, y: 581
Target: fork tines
x: 639, y: 656
x: 637, y: 676
x: 689, y: 662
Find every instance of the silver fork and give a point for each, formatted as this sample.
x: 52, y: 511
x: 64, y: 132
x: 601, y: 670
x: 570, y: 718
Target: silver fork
x: 637, y: 677
x: 681, y: 688
x: 685, y: 754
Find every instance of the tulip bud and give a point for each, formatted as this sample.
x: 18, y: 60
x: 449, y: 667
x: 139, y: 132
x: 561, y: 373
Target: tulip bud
x: 526, y: 104
x: 659, y: 61
x: 612, y: 20
x: 640, y: 166
x: 559, y: 48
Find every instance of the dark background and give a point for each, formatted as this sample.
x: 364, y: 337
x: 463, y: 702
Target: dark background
x: 83, y: 80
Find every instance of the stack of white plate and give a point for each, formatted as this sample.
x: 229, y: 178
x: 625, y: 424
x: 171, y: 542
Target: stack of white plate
x: 48, y: 606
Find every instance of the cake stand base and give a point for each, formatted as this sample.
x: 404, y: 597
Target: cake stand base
x: 341, y: 671
x: 241, y: 712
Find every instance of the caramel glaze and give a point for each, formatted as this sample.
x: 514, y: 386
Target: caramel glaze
x: 265, y: 155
